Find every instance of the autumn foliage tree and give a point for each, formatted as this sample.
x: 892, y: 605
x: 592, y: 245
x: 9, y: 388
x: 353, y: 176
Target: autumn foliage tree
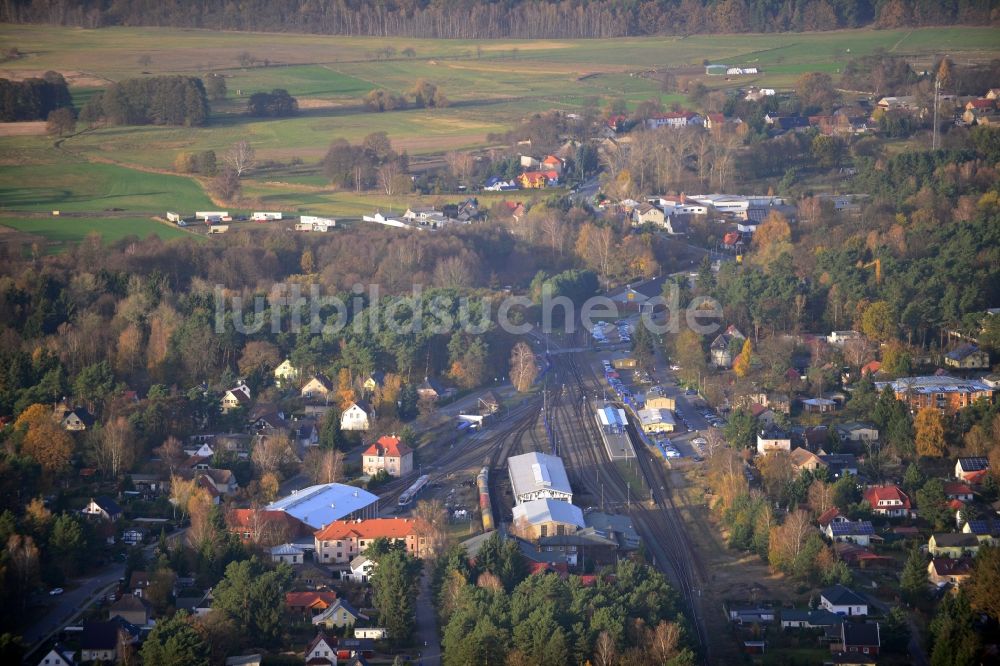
x: 44, y: 440
x: 928, y: 428
x: 741, y: 366
x: 523, y: 367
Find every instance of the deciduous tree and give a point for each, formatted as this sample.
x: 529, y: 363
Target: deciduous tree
x: 523, y: 367
x: 929, y: 433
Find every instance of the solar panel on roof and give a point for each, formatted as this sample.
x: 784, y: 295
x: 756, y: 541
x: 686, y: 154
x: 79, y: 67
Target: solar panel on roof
x: 974, y: 464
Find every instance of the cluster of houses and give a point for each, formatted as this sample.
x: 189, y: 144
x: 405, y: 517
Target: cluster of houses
x: 537, y: 174
x: 428, y: 217
x: 840, y: 618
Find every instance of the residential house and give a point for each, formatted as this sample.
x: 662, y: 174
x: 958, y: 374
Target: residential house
x: 552, y: 163
x: 99, y: 640
x: 287, y: 553
x: 286, y: 373
x: 647, y: 214
x: 943, y: 392
x: 238, y: 396
x: 677, y: 224
x: 675, y: 119
x: 313, y: 576
x: 948, y: 570
x: 831, y: 515
x: 358, y: 416
x: 138, y: 582
x: 818, y: 406
x: 340, y: 614
x: 857, y: 432
x: 949, y: 544
x: 957, y: 490
x: 103, y: 507
x: 341, y: 541
x: 546, y: 517
x: 721, y: 346
x: 888, y: 501
x: 843, y: 601
x: 432, y: 389
x: 773, y: 440
x: 902, y: 102
x: 967, y: 357
x: 749, y: 613
x: 310, y: 602
x: 871, y: 368
x: 374, y: 381
x: 59, y: 655
x: 78, y: 419
x: 987, y: 531
x: 389, y: 454
x: 361, y: 569
x: 538, y: 476
x: 805, y: 460
x: 532, y: 180
x: 840, y: 464
x: 321, y: 651
x: 980, y: 104
x: 795, y: 618
x: 134, y: 610
x: 972, y: 469
x: 858, y: 638
x: 133, y: 536
x: 856, y: 531
x: 319, y: 386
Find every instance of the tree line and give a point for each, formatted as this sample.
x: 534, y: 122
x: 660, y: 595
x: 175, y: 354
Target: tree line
x: 471, y: 19
x: 150, y: 100
x: 33, y: 98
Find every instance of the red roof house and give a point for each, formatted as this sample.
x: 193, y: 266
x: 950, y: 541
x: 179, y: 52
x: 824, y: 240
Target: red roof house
x: 888, y: 501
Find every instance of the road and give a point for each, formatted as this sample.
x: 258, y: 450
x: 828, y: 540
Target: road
x: 73, y: 602
x: 429, y: 644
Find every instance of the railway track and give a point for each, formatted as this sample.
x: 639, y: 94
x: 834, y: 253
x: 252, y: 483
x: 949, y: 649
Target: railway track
x: 580, y: 444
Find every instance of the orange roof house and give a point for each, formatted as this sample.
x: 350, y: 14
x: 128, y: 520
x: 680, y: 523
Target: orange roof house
x: 532, y: 180
x: 342, y: 540
x: 311, y: 601
x: 888, y: 501
x: 389, y: 454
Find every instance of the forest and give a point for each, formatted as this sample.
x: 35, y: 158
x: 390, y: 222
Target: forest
x: 471, y: 19
x: 33, y: 98
x: 152, y: 100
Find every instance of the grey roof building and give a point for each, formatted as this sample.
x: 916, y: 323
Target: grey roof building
x: 538, y: 476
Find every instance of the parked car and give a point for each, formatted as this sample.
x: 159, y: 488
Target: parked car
x: 55, y: 592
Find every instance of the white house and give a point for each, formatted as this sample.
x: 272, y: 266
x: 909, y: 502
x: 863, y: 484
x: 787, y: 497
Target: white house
x: 58, y: 656
x: 773, y: 440
x: 312, y: 223
x: 358, y: 416
x: 538, y: 476
x: 286, y: 372
x: 321, y: 651
x: 238, y: 396
x: 361, y: 569
x: 843, y: 601
x: 339, y: 614
x: 319, y: 386
x: 287, y: 553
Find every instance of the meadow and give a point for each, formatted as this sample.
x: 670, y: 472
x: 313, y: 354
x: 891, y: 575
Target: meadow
x: 491, y: 86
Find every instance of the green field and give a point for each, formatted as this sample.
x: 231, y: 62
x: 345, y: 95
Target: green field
x: 62, y: 230
x: 82, y: 187
x: 492, y: 85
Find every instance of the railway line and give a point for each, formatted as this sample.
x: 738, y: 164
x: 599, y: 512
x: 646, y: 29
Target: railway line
x: 658, y: 521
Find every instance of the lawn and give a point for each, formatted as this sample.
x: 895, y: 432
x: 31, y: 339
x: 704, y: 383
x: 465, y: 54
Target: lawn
x: 75, y: 186
x: 62, y: 230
